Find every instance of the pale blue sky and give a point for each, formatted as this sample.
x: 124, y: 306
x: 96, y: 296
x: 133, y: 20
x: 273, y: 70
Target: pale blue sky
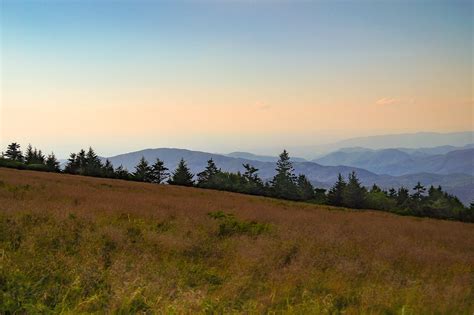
x: 270, y: 64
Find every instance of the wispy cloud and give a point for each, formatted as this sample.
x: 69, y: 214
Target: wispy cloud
x: 262, y: 105
x: 394, y: 101
x: 386, y: 101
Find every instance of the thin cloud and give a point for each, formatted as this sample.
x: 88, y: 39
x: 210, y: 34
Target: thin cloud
x: 386, y: 101
x: 262, y: 106
x: 394, y: 101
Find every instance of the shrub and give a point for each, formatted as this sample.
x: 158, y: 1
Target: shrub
x: 229, y: 225
x: 37, y: 167
x: 134, y: 234
x: 12, y: 164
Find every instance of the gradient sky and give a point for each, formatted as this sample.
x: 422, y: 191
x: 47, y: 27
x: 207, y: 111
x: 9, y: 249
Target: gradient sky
x: 231, y: 75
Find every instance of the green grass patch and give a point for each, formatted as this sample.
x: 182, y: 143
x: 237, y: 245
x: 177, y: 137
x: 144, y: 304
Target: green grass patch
x: 229, y: 225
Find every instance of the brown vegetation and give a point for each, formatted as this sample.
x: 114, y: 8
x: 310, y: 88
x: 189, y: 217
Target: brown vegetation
x: 80, y: 244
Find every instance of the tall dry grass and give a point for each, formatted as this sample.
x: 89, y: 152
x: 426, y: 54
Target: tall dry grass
x: 81, y: 244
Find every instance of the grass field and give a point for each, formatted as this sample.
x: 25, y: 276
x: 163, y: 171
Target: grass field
x: 77, y: 244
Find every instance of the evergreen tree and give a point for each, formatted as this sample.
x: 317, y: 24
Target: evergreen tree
x: 206, y: 177
x: 435, y: 193
x: 335, y: 193
x: 250, y: 174
x: 29, y: 155
x: 354, y: 194
x: 108, y: 169
x: 39, y: 157
x: 250, y: 181
x: 122, y: 173
x: 93, y: 165
x: 52, y: 164
x: 375, y: 188
x: 72, y: 165
x: 14, y: 153
x: 159, y: 172
x: 402, y: 196
x: 182, y: 175
x: 320, y: 196
x: 143, y: 171
x: 467, y: 214
x: 305, y: 188
x: 419, y: 192
x: 392, y: 193
x: 81, y: 161
x: 283, y: 183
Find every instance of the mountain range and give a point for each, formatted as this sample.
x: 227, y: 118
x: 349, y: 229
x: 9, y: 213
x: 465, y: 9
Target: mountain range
x: 458, y: 183
x: 262, y: 158
x: 404, y: 161
x: 406, y: 140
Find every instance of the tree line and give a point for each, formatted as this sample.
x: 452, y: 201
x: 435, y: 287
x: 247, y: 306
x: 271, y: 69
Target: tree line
x: 419, y: 201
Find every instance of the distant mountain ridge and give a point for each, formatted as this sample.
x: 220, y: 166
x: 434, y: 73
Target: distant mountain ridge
x: 262, y: 158
x: 402, y: 161
x: 412, y: 140
x: 461, y: 185
x: 435, y: 150
x: 407, y: 141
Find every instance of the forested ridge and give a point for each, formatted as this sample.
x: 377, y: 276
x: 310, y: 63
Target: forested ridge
x: 346, y: 192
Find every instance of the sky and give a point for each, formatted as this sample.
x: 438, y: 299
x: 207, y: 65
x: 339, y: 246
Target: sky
x: 223, y: 76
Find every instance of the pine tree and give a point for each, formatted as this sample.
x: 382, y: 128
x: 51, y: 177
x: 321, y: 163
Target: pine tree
x: 159, y: 172
x: 392, y: 193
x: 81, y: 161
x: 108, y: 169
x: 283, y: 183
x: 320, y: 196
x: 250, y: 182
x: 122, y: 173
x: 182, y: 175
x: 29, y: 154
x: 250, y: 174
x: 305, y: 188
x: 143, y: 171
x: 375, y: 188
x: 72, y: 165
x: 14, y: 153
x: 52, y: 164
x: 419, y: 192
x: 34, y: 156
x: 402, y: 196
x: 40, y: 158
x: 93, y: 165
x: 334, y: 197
x: 354, y: 194
x: 206, y: 177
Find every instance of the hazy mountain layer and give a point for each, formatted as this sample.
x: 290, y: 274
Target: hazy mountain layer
x: 323, y: 176
x: 262, y: 158
x: 402, y: 161
x: 408, y: 141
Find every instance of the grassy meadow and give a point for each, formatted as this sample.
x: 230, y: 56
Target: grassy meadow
x: 73, y: 244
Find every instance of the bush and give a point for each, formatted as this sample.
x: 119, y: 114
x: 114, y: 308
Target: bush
x: 12, y: 164
x: 230, y: 225
x: 379, y: 201
x: 37, y: 167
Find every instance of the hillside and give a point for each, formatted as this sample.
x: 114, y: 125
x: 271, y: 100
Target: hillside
x: 75, y: 244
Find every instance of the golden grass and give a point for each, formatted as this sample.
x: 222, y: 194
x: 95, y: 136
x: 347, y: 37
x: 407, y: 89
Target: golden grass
x: 80, y: 244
